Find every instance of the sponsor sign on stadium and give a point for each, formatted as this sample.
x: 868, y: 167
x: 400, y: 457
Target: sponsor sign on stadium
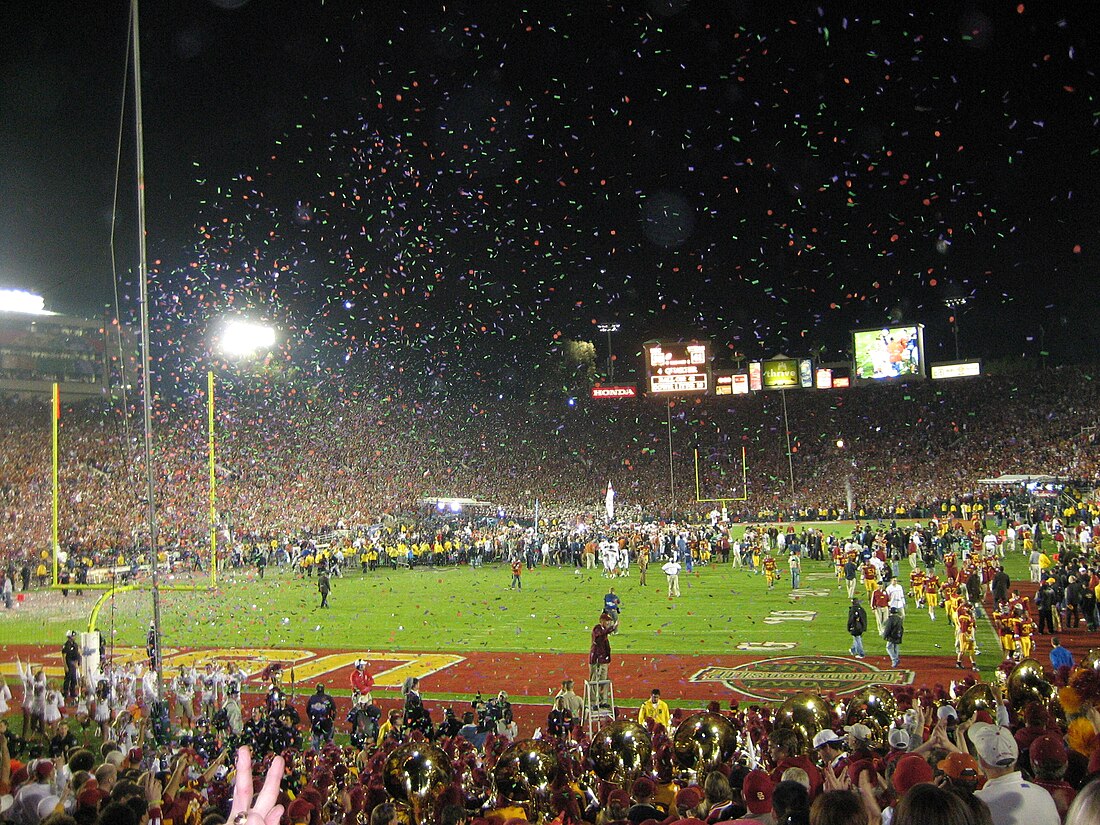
x: 615, y: 391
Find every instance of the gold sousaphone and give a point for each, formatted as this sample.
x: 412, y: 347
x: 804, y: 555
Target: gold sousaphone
x: 806, y: 714
x: 975, y: 699
x: 525, y: 773
x: 875, y: 707
x: 621, y: 751
x: 414, y: 775
x: 1026, y: 683
x: 703, y: 741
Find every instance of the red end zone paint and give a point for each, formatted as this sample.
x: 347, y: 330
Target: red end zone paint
x: 536, y: 677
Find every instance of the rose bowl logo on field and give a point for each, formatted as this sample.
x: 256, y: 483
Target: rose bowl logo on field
x: 776, y: 679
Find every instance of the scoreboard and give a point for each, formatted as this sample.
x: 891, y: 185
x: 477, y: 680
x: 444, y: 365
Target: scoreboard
x: 678, y: 368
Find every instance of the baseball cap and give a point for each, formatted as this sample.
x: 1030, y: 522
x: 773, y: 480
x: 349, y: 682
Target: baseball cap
x: 619, y: 797
x: 757, y: 791
x: 858, y: 731
x: 826, y: 737
x: 91, y: 794
x: 643, y: 788
x: 689, y: 797
x: 911, y: 770
x: 1048, y: 748
x: 899, y: 739
x: 300, y: 810
x: 947, y: 712
x: 995, y: 745
x: 959, y: 766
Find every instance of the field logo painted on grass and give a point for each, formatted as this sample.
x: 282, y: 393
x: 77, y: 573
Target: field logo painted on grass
x: 766, y: 647
x: 776, y: 679
x: 780, y: 616
x: 390, y: 669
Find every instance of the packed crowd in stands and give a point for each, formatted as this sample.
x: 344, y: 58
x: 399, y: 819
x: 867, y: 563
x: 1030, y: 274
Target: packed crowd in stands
x: 290, y: 462
x: 290, y: 466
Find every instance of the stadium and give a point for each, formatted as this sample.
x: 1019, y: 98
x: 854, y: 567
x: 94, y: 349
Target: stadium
x: 419, y: 548
x: 668, y: 412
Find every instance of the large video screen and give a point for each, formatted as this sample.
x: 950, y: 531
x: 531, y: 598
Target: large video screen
x: 678, y: 367
x: 891, y: 352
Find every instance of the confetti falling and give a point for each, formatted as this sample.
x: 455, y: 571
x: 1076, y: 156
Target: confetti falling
x: 480, y: 185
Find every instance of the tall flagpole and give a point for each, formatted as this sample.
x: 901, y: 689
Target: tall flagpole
x: 213, y: 480
x: 671, y: 473
x: 146, y: 357
x: 55, y: 416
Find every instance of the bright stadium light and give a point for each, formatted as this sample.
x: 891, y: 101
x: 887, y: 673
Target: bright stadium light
x: 243, y: 338
x: 23, y: 302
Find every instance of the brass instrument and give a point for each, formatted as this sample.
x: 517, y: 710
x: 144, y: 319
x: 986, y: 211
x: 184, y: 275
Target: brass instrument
x: 977, y: 698
x: 703, y: 741
x: 525, y: 773
x: 1026, y: 683
x: 414, y: 775
x: 875, y: 707
x: 621, y: 751
x: 806, y: 714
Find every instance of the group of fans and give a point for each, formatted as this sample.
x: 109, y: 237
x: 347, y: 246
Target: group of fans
x: 936, y: 760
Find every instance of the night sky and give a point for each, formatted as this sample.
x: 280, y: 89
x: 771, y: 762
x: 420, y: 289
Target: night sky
x: 452, y: 189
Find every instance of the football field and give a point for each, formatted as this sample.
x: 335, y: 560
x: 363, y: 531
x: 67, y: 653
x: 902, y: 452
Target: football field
x: 464, y: 629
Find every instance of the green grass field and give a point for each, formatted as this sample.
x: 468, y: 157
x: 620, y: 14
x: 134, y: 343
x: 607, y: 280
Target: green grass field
x: 455, y: 610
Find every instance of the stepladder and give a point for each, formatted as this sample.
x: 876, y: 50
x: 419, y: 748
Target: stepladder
x: 599, y: 704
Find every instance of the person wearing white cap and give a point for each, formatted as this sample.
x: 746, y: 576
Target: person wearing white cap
x: 859, y: 739
x: 829, y: 747
x: 899, y: 740
x: 1010, y: 799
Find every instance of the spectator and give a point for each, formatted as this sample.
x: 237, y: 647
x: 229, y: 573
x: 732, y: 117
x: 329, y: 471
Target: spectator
x: 1011, y: 800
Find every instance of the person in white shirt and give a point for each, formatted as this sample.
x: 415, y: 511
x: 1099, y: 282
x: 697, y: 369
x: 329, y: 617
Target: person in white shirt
x: 990, y: 542
x: 672, y: 571
x: 1011, y: 800
x: 896, y: 593
x: 1010, y: 539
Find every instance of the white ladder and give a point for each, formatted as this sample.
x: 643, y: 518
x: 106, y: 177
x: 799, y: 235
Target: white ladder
x: 593, y: 715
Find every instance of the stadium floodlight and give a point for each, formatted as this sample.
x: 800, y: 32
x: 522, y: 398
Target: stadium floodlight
x: 243, y: 338
x: 23, y: 302
x: 955, y: 305
x: 609, y: 327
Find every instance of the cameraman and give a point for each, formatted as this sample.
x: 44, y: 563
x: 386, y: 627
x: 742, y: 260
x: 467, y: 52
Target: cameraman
x: 322, y: 712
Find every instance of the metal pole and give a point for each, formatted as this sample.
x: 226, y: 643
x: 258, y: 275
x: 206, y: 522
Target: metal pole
x: 610, y: 360
x: 146, y: 357
x: 55, y: 414
x: 787, y: 430
x: 213, y: 480
x: 671, y: 473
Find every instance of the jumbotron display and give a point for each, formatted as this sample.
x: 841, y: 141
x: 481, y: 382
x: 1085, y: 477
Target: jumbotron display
x: 677, y: 368
x: 891, y: 352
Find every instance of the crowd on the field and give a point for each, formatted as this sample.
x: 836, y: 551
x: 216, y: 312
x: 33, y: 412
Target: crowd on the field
x: 937, y: 736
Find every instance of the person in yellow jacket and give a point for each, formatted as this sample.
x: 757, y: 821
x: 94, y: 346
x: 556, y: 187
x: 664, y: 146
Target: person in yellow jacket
x: 655, y: 709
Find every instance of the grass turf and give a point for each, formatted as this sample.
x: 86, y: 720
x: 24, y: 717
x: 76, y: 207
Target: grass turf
x: 459, y: 609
